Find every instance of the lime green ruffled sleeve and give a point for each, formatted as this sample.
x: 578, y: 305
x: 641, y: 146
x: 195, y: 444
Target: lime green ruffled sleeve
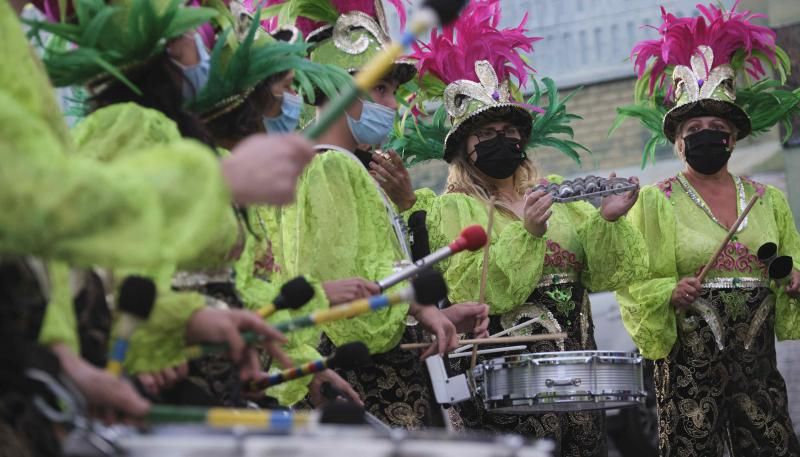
x: 258, y: 282
x: 425, y: 199
x: 787, y: 309
x: 140, y: 211
x: 121, y: 131
x: 160, y: 341
x: 338, y: 228
x: 292, y: 392
x: 60, y: 324
x: 646, y: 311
x: 615, y: 252
x: 516, y: 257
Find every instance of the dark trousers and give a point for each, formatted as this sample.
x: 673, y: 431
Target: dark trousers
x: 709, y: 399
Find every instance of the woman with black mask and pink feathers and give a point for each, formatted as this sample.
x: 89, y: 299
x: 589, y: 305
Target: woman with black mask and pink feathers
x: 717, y: 383
x: 543, y: 256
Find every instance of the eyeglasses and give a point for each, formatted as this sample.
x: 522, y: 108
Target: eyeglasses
x: 487, y: 134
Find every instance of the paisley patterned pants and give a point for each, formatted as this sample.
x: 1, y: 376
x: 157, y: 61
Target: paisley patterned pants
x: 396, y: 389
x: 576, y: 434
x: 710, y: 398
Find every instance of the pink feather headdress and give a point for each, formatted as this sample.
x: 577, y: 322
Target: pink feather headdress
x: 450, y: 55
x: 734, y: 39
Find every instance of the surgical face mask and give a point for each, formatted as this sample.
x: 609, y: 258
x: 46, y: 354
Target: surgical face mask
x: 287, y: 121
x: 196, y: 76
x: 375, y: 124
x: 707, y: 151
x: 499, y: 157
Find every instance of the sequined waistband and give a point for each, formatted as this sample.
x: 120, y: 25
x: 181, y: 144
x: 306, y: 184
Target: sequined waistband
x: 556, y: 279
x: 191, y: 280
x: 735, y: 283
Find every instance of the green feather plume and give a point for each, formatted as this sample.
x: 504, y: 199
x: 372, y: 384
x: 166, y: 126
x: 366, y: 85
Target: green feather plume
x: 419, y: 141
x: 552, y: 128
x: 251, y: 63
x: 650, y: 114
x: 111, y: 37
x: 767, y: 104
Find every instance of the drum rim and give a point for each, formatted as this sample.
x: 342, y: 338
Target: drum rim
x: 565, y: 357
x: 587, y: 403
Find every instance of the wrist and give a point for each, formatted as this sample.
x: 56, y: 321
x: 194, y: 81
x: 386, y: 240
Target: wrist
x: 415, y: 310
x: 189, y: 331
x: 609, y: 216
x: 537, y: 231
x: 408, y: 203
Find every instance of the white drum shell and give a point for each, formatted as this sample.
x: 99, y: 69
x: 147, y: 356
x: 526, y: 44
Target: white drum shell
x: 326, y: 441
x: 560, y: 382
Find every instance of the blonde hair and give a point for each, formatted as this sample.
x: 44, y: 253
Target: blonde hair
x: 464, y: 177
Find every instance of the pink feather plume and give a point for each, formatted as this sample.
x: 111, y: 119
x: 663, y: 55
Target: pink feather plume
x: 725, y: 32
x: 451, y: 54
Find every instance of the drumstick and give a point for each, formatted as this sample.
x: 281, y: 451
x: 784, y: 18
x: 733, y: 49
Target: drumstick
x: 467, y: 347
x: 273, y: 420
x: 485, y: 271
x: 727, y: 239
x: 504, y: 340
x: 455, y: 355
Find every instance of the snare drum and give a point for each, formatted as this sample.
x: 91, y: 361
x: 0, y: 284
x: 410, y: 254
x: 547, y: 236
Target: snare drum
x: 328, y: 441
x: 560, y: 382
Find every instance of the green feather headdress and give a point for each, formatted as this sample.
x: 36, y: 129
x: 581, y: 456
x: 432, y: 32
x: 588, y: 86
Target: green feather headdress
x: 235, y: 74
x: 418, y: 141
x: 113, y: 38
x: 766, y: 103
x: 703, y: 54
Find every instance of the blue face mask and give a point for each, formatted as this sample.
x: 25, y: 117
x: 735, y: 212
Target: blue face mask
x: 196, y: 76
x: 375, y: 124
x: 287, y: 121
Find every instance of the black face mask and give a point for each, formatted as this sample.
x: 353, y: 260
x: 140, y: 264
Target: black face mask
x: 499, y: 157
x: 707, y: 151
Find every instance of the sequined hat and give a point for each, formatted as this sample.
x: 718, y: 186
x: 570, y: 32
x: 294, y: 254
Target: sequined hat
x: 703, y: 55
x: 474, y: 61
x: 476, y: 70
x: 705, y: 89
x: 345, y: 33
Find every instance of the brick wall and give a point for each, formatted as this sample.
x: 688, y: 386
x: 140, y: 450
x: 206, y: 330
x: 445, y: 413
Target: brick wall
x: 597, y: 105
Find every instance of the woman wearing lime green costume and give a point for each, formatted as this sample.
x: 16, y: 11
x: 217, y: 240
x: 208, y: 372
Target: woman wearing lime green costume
x: 716, y: 376
x: 116, y: 133
x: 59, y: 206
x: 344, y: 226
x: 544, y: 257
x: 232, y: 107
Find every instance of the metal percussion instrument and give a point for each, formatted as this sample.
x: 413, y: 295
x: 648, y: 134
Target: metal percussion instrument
x: 560, y: 382
x: 586, y: 188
